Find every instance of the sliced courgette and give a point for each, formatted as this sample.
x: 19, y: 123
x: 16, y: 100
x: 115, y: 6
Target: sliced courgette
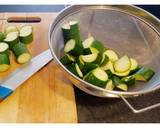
x: 122, y: 65
x: 71, y: 31
x: 21, y: 53
x: 104, y: 60
x: 26, y: 34
x: 119, y: 84
x: 67, y: 59
x: 122, y: 74
x: 144, y: 74
x: 80, y: 63
x: 134, y: 64
x: 74, y: 68
x: 12, y: 39
x: 108, y: 66
x: 89, y: 67
x: 90, y: 50
x: 73, y: 48
x: 129, y: 80
x: 91, y: 42
x: 10, y: 29
x: 4, y: 48
x: 4, y: 62
x: 2, y: 36
x: 95, y: 58
x: 97, y: 77
x: 109, y: 85
x: 111, y: 55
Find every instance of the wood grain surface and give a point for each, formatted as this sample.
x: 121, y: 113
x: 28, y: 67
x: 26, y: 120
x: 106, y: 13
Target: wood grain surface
x: 47, y: 97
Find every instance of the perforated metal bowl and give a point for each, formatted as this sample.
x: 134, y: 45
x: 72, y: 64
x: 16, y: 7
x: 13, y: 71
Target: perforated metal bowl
x: 126, y: 29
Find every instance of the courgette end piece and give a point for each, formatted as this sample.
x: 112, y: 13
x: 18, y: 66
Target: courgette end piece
x: 123, y: 64
x: 129, y: 80
x: 144, y: 74
x: 109, y: 86
x: 122, y: 87
x: 119, y: 84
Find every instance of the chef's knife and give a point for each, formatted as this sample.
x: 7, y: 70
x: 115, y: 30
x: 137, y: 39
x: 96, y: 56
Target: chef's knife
x: 14, y: 80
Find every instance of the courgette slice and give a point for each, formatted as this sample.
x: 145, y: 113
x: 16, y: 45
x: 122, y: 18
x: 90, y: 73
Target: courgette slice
x: 74, y: 68
x: 95, y: 58
x: 108, y: 66
x: 111, y: 55
x: 10, y: 29
x: 21, y: 53
x: 109, y: 85
x: 67, y: 59
x: 4, y: 62
x: 134, y: 64
x: 12, y: 39
x: 80, y: 63
x: 2, y: 36
x: 4, y: 48
x: 71, y: 31
x: 26, y: 34
x: 144, y: 74
x: 89, y: 67
x: 104, y: 60
x: 73, y: 48
x: 122, y: 65
x: 129, y: 80
x: 90, y: 51
x: 97, y: 77
x: 91, y: 42
x: 122, y: 74
x: 119, y: 84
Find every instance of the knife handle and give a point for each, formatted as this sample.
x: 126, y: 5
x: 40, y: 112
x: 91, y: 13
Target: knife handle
x: 4, y: 92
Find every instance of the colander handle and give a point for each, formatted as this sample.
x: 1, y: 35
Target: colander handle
x: 139, y: 110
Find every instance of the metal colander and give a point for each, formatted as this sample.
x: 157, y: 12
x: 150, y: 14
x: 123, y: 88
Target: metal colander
x: 126, y: 29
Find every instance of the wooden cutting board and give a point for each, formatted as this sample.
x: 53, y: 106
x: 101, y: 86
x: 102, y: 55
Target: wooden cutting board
x: 47, y: 96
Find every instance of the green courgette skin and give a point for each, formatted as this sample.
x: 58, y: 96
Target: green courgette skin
x: 98, y: 45
x: 19, y: 49
x: 77, y: 51
x: 7, y: 51
x: 26, y: 40
x: 72, y: 33
x: 119, y: 84
x: 12, y: 43
x: 72, y: 68
x: 90, y: 78
x: 129, y: 80
x: 145, y: 73
x: 4, y: 59
x: 110, y: 74
x: 89, y: 67
x: 2, y: 36
x: 65, y: 60
x: 80, y: 63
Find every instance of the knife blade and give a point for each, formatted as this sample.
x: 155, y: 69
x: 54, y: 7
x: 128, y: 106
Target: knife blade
x: 20, y: 75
